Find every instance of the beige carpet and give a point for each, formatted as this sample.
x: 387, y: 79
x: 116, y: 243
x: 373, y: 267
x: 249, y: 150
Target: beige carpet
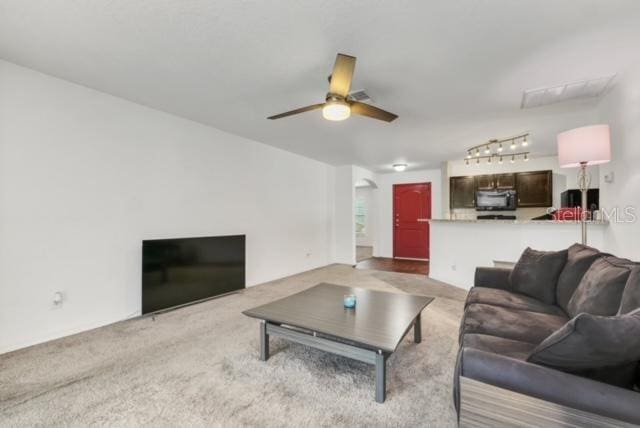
x: 199, y: 366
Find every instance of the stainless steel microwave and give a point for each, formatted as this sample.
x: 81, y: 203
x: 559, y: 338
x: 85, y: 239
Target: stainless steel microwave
x: 496, y: 200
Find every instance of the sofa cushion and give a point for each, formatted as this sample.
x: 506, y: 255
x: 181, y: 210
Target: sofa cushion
x: 536, y: 274
x: 507, y: 299
x: 600, y: 290
x: 631, y: 294
x: 609, y: 347
x: 508, y: 323
x: 579, y: 259
x: 498, y: 345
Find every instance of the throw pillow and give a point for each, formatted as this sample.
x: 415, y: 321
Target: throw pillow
x: 536, y: 274
x: 631, y: 294
x: 579, y: 259
x: 600, y: 290
x: 592, y: 342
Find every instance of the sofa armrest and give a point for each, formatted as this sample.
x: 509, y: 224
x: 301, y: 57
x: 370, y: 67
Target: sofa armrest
x: 492, y: 277
x: 549, y: 385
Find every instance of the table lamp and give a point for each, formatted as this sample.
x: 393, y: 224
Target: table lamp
x: 581, y: 147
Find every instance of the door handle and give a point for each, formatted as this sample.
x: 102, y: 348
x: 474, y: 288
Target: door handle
x: 422, y: 220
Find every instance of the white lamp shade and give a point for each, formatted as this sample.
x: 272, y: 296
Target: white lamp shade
x: 589, y: 145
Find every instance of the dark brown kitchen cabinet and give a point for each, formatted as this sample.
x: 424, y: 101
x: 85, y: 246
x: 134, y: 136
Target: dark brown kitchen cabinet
x: 504, y: 181
x: 462, y: 192
x: 484, y: 182
x: 534, y: 189
x: 495, y: 182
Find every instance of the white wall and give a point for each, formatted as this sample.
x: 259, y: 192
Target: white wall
x: 344, y: 233
x: 385, y: 183
x: 563, y: 179
x: 621, y: 110
x: 85, y: 177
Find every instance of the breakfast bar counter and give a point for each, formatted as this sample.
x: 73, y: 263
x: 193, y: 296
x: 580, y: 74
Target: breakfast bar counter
x: 457, y: 247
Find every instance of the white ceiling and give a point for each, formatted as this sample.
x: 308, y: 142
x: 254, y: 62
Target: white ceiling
x: 454, y: 71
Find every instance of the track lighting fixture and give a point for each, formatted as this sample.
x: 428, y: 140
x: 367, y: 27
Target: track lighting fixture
x: 495, y: 147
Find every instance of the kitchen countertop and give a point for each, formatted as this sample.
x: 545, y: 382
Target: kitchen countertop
x: 555, y: 222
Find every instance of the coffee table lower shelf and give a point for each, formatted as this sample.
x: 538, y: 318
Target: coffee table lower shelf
x: 366, y: 355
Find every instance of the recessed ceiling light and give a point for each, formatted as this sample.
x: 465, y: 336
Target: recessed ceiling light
x: 400, y: 166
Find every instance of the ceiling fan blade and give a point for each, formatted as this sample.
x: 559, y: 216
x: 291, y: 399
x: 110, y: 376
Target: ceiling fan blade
x: 296, y: 111
x: 342, y: 75
x: 370, y: 111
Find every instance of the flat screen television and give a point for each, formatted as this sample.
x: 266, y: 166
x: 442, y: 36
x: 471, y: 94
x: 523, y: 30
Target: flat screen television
x: 180, y: 271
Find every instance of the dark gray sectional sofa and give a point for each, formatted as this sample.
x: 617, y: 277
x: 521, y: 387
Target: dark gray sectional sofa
x: 554, y: 341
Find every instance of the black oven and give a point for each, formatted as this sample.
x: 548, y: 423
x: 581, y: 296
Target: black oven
x: 496, y: 200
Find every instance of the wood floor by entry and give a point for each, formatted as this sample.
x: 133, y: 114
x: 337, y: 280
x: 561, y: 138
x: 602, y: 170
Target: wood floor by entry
x: 395, y: 265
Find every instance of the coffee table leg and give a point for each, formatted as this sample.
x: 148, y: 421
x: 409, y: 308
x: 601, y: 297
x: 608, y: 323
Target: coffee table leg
x: 381, y: 377
x: 417, y: 330
x: 264, y: 341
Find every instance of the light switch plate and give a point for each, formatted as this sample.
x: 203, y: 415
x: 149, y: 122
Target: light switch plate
x: 608, y: 178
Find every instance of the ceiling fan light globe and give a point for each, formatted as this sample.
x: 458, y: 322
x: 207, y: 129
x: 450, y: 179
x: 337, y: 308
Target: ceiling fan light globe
x: 336, y: 110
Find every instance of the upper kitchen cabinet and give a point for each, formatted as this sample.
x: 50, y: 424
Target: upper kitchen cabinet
x: 504, y: 181
x: 484, y: 182
x: 534, y: 189
x: 495, y: 182
x: 462, y: 192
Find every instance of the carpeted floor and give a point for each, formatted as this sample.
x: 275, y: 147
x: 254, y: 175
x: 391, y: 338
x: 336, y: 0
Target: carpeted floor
x: 199, y: 366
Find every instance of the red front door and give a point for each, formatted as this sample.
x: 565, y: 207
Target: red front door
x: 411, y: 209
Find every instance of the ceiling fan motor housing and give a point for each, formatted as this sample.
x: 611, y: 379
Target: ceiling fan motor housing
x: 335, y: 98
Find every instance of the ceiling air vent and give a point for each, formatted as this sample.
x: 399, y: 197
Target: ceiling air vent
x: 359, y: 96
x: 569, y: 91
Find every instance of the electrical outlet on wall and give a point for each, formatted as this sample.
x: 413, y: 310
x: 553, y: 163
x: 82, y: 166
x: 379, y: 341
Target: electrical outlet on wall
x: 58, y: 299
x: 309, y: 253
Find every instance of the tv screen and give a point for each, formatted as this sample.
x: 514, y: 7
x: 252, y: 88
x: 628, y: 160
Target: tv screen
x: 180, y: 271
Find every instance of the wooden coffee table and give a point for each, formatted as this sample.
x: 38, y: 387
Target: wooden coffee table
x: 370, y: 332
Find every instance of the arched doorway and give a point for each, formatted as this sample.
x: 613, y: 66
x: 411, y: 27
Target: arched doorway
x: 365, y: 210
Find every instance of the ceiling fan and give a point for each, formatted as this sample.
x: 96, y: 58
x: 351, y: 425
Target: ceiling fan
x: 338, y: 104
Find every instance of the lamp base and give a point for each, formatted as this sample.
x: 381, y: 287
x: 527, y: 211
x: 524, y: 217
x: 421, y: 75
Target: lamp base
x: 583, y: 180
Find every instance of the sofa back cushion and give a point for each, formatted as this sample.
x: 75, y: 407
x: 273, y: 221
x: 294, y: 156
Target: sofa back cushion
x: 579, y: 259
x: 631, y: 294
x: 604, y: 347
x: 600, y: 290
x: 536, y: 274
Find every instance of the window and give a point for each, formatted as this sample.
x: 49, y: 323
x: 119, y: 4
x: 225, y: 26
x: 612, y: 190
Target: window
x: 361, y: 217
